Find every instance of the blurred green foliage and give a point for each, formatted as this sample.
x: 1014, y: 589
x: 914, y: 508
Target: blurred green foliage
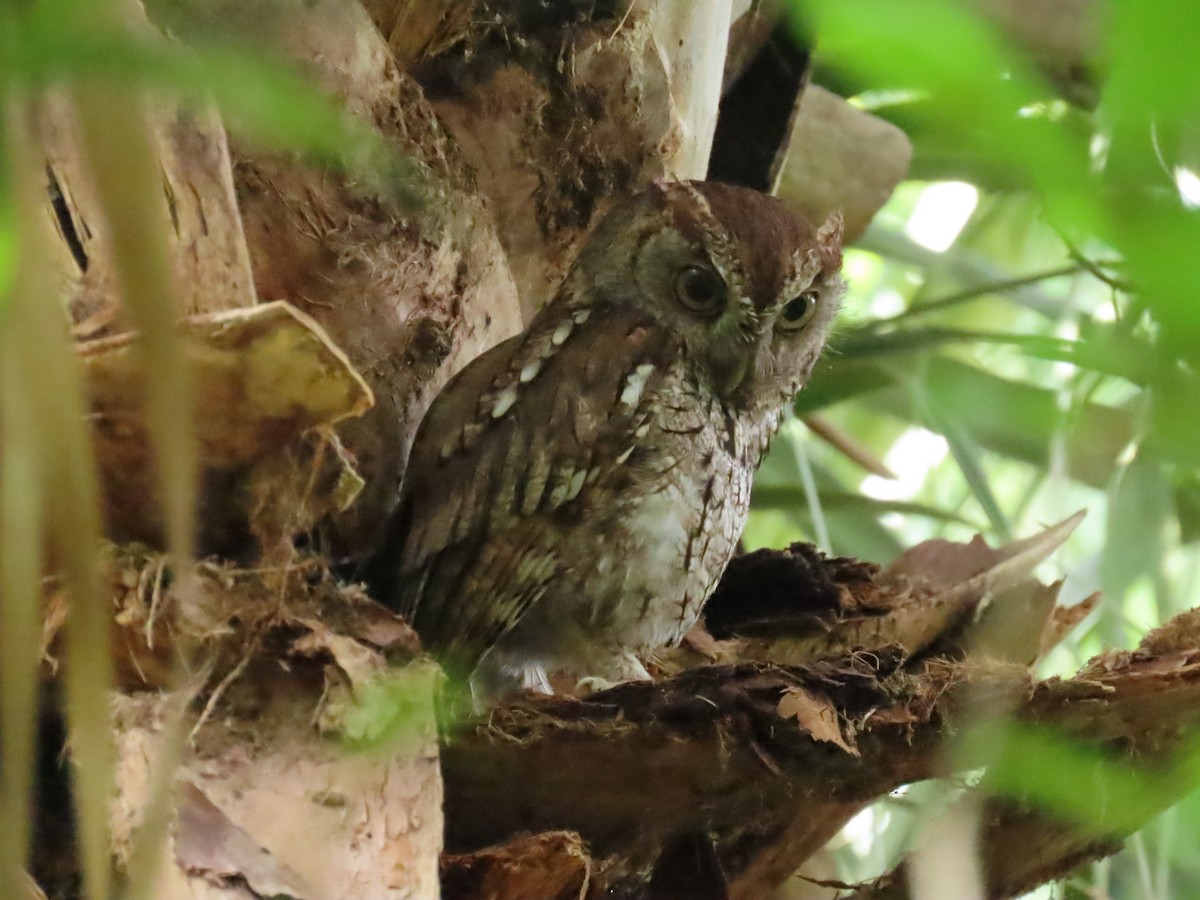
x: 1046, y: 360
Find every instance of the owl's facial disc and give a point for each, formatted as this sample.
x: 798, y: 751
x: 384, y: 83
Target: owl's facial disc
x: 744, y: 283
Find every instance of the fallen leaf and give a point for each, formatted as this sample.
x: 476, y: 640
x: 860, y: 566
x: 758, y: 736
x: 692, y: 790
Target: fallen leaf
x: 816, y: 715
x: 208, y: 843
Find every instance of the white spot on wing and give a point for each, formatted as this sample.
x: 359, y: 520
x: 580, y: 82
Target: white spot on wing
x: 561, y: 333
x: 635, y: 384
x: 530, y: 371
x: 562, y: 489
x: 576, y: 484
x: 582, y: 316
x: 505, y: 401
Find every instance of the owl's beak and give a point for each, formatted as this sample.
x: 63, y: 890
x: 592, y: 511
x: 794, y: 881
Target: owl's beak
x: 731, y: 350
x: 728, y: 372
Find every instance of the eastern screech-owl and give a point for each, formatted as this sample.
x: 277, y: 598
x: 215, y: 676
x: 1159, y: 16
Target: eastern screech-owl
x: 574, y: 494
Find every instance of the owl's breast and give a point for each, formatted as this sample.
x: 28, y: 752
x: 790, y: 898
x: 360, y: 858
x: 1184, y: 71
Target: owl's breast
x: 647, y: 543
x: 683, y: 525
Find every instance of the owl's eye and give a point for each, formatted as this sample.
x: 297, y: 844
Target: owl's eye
x: 798, y: 311
x: 700, y: 290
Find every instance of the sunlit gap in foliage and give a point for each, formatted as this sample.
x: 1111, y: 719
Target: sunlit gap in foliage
x: 941, y: 213
x: 912, y: 457
x: 861, y: 833
x: 1187, y: 183
x: 1052, y: 110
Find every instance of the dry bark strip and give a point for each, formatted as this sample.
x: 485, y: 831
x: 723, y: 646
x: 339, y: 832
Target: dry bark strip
x: 551, y: 866
x: 210, y: 265
x: 708, y: 750
x: 266, y: 377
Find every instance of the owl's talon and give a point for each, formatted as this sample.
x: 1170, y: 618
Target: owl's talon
x: 593, y: 684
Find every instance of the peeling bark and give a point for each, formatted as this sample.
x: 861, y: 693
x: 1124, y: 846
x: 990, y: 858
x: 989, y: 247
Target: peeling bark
x: 410, y: 296
x: 285, y: 785
x: 709, y: 751
x: 207, y: 248
x: 265, y: 377
x: 550, y: 866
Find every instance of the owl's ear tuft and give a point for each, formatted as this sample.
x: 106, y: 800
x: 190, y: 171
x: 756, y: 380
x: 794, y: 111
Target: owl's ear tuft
x: 829, y: 242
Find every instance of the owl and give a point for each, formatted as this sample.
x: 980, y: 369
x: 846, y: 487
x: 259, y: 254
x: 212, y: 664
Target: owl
x: 574, y: 494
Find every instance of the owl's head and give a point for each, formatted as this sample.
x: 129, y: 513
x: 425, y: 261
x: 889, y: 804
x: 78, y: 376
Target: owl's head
x: 750, y: 287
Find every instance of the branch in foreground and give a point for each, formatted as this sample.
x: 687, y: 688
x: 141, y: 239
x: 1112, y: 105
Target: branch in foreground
x: 1133, y: 707
x: 744, y: 750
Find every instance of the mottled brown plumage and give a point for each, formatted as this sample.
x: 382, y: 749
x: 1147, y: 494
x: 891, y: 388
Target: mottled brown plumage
x: 575, y: 493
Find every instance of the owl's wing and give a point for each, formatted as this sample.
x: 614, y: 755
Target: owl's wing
x: 507, y: 457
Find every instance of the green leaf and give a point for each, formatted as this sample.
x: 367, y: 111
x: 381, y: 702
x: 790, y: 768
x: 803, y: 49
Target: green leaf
x: 967, y: 454
x: 1073, y: 780
x: 1140, y: 508
x: 1105, y: 350
x: 397, y: 706
x: 975, y: 85
x: 793, y: 497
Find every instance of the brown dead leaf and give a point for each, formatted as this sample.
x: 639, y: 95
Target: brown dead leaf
x: 208, y: 844
x: 1064, y: 619
x: 816, y: 715
x: 843, y: 158
x: 942, y: 564
x: 1012, y: 625
x: 360, y: 663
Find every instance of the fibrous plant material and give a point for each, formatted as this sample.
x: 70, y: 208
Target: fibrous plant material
x: 558, y: 109
x: 794, y: 606
x: 309, y: 766
x: 725, y: 750
x: 266, y: 376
